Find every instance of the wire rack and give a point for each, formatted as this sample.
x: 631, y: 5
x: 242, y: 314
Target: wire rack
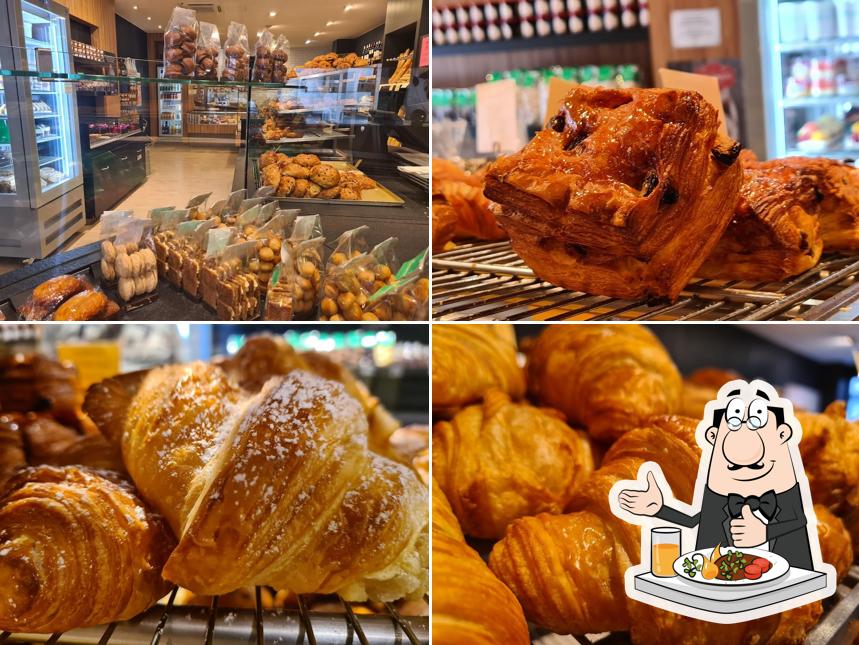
x: 839, y: 624
x: 488, y: 281
x: 188, y: 625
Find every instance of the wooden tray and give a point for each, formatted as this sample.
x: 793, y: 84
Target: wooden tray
x: 378, y: 196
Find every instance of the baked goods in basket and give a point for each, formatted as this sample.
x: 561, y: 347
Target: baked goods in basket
x: 78, y: 549
x: 470, y: 605
x: 775, y: 232
x: 607, y: 378
x: 468, y: 360
x: 501, y: 460
x: 624, y: 194
x: 274, y: 488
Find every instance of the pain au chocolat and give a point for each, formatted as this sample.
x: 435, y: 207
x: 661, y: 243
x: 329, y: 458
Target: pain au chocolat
x: 624, y: 194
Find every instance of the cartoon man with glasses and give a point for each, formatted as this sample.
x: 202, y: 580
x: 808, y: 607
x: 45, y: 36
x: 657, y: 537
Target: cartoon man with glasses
x: 753, y: 478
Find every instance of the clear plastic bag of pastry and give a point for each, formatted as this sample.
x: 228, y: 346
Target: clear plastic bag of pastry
x: 348, y: 286
x: 407, y: 297
x: 264, y: 60
x: 350, y: 245
x: 89, y: 304
x: 135, y: 265
x: 229, y: 210
x: 208, y: 52
x: 110, y: 223
x: 280, y: 56
x: 280, y: 289
x: 385, y: 265
x: 306, y: 227
x: 227, y: 284
x: 164, y: 224
x: 197, y: 207
x: 271, y: 238
x: 236, y: 53
x: 307, y: 262
x: 196, y: 240
x: 180, y: 43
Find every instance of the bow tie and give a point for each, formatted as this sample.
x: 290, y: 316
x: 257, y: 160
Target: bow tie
x: 766, y: 503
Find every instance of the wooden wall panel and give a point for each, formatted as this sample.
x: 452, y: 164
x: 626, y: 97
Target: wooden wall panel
x: 101, y: 16
x: 660, y: 32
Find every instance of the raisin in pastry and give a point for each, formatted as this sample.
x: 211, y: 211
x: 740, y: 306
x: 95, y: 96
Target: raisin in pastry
x: 624, y: 194
x: 837, y: 192
x: 775, y: 233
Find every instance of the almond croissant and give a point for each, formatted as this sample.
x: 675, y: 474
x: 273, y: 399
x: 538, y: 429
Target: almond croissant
x: 608, y: 378
x: 502, y: 460
x: 275, y: 488
x: 77, y: 548
x: 467, y: 360
x: 470, y: 605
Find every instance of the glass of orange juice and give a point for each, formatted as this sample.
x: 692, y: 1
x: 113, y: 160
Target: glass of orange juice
x: 664, y: 550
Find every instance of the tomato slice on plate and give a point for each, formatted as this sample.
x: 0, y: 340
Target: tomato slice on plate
x: 752, y: 571
x: 763, y: 563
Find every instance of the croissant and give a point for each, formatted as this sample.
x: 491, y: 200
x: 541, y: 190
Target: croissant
x: 502, y: 460
x: 568, y: 570
x: 470, y: 605
x: 274, y: 488
x: 608, y: 378
x: 775, y: 233
x: 78, y: 549
x: 701, y: 387
x: 624, y: 194
x: 467, y: 360
x: 265, y: 355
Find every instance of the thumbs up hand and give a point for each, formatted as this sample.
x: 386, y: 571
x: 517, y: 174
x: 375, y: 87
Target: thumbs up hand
x: 647, y: 502
x: 747, y: 530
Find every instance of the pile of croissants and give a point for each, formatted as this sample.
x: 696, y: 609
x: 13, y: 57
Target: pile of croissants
x: 267, y: 468
x: 526, y: 458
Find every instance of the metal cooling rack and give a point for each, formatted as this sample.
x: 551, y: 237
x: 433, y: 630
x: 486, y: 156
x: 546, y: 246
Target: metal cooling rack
x: 190, y: 625
x: 488, y: 281
x: 839, y: 624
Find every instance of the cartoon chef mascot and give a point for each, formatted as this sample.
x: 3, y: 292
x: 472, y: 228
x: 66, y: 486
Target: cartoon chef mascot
x: 751, y: 491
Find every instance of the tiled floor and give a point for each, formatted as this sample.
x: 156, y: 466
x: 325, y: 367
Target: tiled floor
x: 177, y: 173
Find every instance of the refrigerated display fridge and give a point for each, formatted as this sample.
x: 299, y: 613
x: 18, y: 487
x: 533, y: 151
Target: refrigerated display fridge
x: 169, y: 108
x: 810, y: 54
x: 41, y: 182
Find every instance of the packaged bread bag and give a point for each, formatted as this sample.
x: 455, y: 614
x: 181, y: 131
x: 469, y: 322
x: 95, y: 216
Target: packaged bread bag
x: 135, y: 263
x: 196, y: 243
x: 110, y: 223
x: 180, y: 44
x: 208, y: 52
x: 279, y: 293
x: 280, y: 55
x: 407, y: 297
x: 164, y: 225
x: 237, y: 286
x: 271, y: 238
x: 263, y: 57
x: 236, y: 53
x: 217, y: 241
x: 197, y: 207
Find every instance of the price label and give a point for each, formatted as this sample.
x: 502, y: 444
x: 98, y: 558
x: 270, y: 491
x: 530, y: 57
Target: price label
x: 94, y: 361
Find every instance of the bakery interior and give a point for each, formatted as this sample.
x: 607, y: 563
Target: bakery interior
x: 130, y: 108
x: 571, y: 81
x: 527, y: 444
x: 303, y: 451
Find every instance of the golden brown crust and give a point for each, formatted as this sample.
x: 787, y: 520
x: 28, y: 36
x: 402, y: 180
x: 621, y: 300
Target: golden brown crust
x: 468, y: 360
x: 79, y: 549
x: 837, y: 192
x: 470, y: 605
x: 701, y: 387
x: 460, y: 210
x: 50, y: 294
x: 12, y: 455
x: 86, y: 305
x: 775, y: 232
x: 274, y: 488
x: 622, y: 195
x: 501, y: 460
x: 607, y: 378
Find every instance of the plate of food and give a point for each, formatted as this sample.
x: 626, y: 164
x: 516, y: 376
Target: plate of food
x: 730, y: 566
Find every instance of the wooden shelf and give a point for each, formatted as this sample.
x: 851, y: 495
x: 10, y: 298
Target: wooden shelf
x: 583, y: 39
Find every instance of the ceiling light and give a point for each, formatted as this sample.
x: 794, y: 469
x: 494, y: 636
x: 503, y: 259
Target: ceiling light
x: 272, y: 14
x: 160, y: 27
x: 308, y: 41
x: 329, y: 23
x: 348, y: 7
x: 149, y: 17
x: 318, y: 33
x: 134, y: 7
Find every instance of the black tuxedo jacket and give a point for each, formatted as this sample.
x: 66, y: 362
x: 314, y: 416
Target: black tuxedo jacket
x: 786, y: 532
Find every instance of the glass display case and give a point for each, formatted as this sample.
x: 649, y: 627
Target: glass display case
x: 42, y: 204
x: 215, y: 112
x: 169, y: 108
x: 812, y: 80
